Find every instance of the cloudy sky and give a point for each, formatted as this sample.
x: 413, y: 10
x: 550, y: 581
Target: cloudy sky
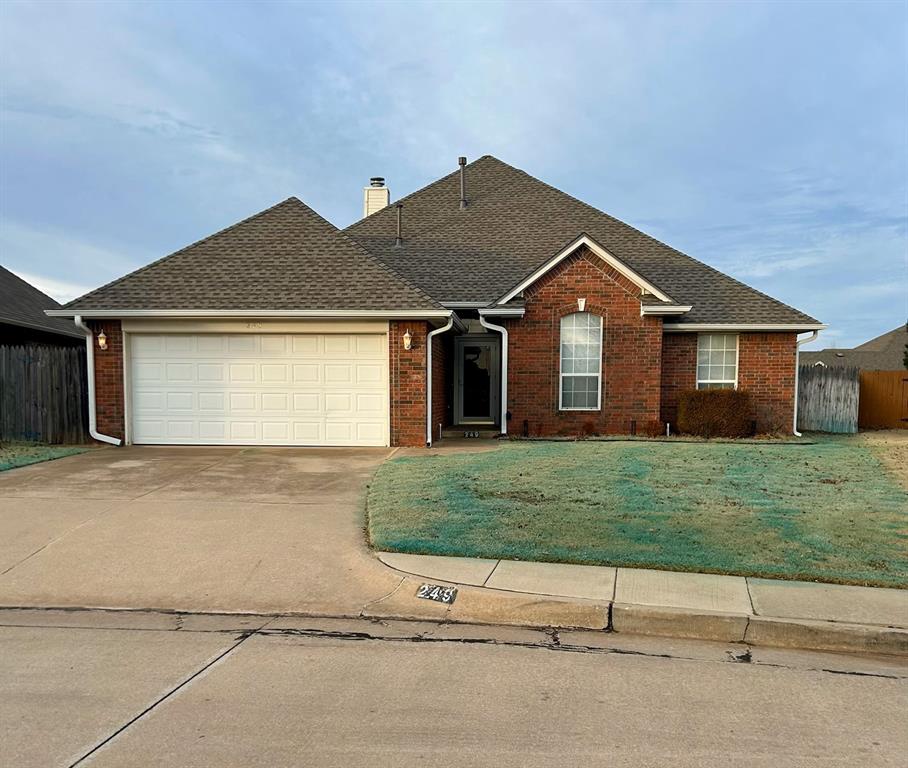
x: 768, y: 140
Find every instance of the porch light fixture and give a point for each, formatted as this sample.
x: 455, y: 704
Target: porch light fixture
x: 408, y: 339
x: 102, y: 340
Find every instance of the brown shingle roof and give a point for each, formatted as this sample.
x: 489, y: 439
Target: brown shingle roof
x: 514, y: 223
x: 285, y: 258
x: 22, y: 304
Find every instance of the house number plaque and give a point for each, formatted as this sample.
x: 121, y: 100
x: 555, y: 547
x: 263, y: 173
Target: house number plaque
x: 438, y: 594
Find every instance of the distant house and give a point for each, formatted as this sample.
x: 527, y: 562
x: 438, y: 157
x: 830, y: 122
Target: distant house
x: 884, y: 353
x: 22, y: 318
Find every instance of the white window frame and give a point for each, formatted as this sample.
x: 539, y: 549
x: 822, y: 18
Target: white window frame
x: 707, y: 382
x: 562, y: 375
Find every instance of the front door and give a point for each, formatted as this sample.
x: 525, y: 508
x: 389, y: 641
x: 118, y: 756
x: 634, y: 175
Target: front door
x: 477, y: 364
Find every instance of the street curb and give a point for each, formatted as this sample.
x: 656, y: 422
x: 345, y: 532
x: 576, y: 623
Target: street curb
x: 483, y: 605
x: 678, y: 622
x: 826, y: 636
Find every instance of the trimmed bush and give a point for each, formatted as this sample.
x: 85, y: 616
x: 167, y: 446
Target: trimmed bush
x: 715, y: 413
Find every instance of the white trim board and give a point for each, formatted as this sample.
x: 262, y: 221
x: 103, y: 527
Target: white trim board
x: 731, y: 327
x: 672, y: 309
x: 603, y: 254
x: 417, y: 314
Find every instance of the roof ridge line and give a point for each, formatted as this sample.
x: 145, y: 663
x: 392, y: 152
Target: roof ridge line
x: 655, y: 240
x: 180, y: 250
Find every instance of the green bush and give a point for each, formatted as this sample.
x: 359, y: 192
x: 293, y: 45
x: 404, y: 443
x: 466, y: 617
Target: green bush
x: 715, y: 413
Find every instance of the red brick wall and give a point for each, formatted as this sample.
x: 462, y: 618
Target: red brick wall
x: 109, y: 378
x: 632, y: 351
x: 679, y: 371
x: 766, y: 368
x: 408, y: 383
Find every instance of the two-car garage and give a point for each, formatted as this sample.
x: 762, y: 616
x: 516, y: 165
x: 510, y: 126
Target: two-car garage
x: 249, y: 388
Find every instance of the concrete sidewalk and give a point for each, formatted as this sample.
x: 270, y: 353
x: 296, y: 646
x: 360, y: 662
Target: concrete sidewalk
x: 640, y: 601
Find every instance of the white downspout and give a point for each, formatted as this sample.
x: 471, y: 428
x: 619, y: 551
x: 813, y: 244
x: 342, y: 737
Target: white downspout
x: 812, y: 337
x: 90, y: 373
x: 504, y: 369
x: 431, y: 335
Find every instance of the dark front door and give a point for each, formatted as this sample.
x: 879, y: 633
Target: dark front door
x: 477, y: 361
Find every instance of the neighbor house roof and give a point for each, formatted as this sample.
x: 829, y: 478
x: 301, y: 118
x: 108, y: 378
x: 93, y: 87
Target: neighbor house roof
x: 23, y: 305
x: 285, y: 258
x: 513, y: 224
x: 884, y: 353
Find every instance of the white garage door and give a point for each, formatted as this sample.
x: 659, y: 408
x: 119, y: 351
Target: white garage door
x: 268, y: 389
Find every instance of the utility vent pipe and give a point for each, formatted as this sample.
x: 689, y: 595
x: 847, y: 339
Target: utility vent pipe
x: 462, y: 162
x: 399, y: 241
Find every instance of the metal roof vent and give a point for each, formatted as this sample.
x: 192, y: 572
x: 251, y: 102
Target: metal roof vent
x: 462, y: 162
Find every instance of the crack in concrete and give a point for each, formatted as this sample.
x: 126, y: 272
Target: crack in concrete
x: 555, y: 645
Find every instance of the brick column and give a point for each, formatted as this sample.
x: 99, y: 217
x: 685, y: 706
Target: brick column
x: 408, y: 383
x: 109, y: 396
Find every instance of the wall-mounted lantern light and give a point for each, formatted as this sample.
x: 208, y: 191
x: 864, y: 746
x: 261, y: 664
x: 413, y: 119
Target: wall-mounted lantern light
x: 102, y: 340
x: 408, y: 339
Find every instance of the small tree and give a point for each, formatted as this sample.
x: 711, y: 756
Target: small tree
x: 905, y: 356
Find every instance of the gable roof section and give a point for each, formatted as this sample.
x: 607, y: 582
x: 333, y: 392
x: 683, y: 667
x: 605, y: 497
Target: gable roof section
x: 23, y: 305
x: 285, y: 259
x: 514, y: 223
x: 581, y: 241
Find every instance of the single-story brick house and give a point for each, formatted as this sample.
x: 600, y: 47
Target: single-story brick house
x: 486, y: 300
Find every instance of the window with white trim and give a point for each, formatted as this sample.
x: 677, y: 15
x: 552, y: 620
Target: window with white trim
x: 717, y: 361
x: 581, y: 362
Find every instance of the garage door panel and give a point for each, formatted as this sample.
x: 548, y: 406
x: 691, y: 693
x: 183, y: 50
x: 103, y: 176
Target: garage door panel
x: 180, y: 401
x: 179, y: 373
x: 243, y: 401
x: 245, y: 344
x: 241, y: 373
x: 212, y: 401
x: 210, y: 372
x: 275, y: 373
x: 179, y: 345
x: 280, y: 389
x: 276, y: 402
x: 211, y: 345
x: 212, y: 430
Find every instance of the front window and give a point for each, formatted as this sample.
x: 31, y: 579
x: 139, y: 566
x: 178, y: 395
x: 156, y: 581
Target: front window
x: 581, y: 362
x: 717, y: 361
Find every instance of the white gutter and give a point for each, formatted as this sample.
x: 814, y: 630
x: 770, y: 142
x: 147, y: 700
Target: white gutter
x: 812, y: 337
x: 90, y: 373
x: 317, y: 313
x: 431, y: 335
x: 504, y: 368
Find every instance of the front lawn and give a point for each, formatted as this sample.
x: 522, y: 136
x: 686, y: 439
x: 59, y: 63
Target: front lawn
x: 19, y: 454
x: 827, y: 512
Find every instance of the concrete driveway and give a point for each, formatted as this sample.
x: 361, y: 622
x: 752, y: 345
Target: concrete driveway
x: 193, y: 529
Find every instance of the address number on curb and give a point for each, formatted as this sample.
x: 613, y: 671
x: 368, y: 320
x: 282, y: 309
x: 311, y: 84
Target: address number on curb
x: 438, y: 594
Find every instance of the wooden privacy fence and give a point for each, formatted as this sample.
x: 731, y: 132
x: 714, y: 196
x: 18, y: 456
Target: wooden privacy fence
x: 43, y: 394
x: 828, y: 399
x: 884, y: 400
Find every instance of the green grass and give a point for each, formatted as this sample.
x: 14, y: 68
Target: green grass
x: 822, y: 512
x: 14, y: 455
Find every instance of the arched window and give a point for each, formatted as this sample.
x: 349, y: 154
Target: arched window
x: 581, y: 362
